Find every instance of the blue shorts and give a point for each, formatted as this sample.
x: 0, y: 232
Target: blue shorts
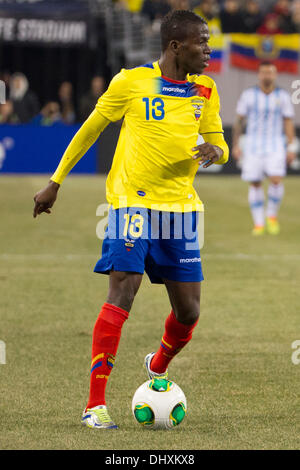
x: 164, y: 244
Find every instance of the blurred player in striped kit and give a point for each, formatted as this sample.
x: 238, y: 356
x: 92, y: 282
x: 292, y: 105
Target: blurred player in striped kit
x: 269, y: 145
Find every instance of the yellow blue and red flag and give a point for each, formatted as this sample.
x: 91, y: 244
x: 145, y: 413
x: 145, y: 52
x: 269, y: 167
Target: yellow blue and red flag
x: 249, y: 50
x: 217, y: 43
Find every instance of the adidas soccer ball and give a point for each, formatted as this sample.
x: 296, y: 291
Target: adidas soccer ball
x: 159, y: 404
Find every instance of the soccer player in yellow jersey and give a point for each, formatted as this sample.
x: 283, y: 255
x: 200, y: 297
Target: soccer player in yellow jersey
x: 154, y: 208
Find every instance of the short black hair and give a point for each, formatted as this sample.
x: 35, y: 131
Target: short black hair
x: 266, y: 63
x: 176, y: 25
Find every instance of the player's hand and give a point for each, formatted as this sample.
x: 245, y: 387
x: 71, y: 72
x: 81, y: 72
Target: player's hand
x: 290, y: 157
x: 236, y: 152
x: 45, y: 199
x: 207, y: 154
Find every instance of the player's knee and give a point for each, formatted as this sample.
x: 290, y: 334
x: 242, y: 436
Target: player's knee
x: 188, y: 314
x: 275, y: 180
x: 122, y: 298
x: 256, y: 184
x: 122, y: 290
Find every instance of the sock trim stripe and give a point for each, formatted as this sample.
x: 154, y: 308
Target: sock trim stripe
x: 274, y: 199
x: 163, y: 346
x: 99, y: 364
x: 97, y: 357
x: 168, y: 345
x: 256, y: 204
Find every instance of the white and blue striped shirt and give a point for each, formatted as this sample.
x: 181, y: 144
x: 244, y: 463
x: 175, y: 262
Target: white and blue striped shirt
x: 265, y: 114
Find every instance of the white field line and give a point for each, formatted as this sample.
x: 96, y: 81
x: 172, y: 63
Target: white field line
x: 252, y: 257
x: 46, y: 256
x: 208, y: 256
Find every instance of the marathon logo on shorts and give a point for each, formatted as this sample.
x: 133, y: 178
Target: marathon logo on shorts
x: 190, y: 260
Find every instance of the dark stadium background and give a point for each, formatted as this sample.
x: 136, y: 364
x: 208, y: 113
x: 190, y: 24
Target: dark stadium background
x: 114, y: 37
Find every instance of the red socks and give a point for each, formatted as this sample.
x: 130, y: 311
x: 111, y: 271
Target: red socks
x: 175, y: 337
x: 106, y: 338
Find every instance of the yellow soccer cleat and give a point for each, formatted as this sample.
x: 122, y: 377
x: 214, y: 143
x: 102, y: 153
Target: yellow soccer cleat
x: 97, y: 418
x: 258, y: 230
x: 273, y: 226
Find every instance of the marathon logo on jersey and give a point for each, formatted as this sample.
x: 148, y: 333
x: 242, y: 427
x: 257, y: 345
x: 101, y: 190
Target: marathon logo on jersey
x: 173, y: 90
x: 185, y: 90
x: 169, y: 88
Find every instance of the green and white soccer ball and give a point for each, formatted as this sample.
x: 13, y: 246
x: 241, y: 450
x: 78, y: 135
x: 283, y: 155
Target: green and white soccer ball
x: 159, y: 404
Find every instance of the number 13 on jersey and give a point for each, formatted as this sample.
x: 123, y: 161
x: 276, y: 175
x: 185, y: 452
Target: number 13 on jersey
x: 157, y: 108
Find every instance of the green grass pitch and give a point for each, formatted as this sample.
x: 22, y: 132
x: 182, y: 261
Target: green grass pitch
x: 241, y: 386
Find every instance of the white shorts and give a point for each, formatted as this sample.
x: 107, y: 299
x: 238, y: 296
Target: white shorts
x: 256, y: 167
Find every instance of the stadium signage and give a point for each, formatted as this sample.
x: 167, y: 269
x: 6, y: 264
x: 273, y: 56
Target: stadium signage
x: 43, y: 31
x: 30, y: 139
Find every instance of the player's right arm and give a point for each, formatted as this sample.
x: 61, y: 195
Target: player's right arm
x: 111, y: 107
x: 79, y: 145
x: 215, y: 149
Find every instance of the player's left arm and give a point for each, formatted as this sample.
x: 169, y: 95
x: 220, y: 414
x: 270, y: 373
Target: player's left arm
x: 288, y: 114
x: 289, y: 129
x: 215, y: 148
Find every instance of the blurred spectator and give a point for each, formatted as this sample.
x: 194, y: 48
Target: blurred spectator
x: 270, y: 24
x: 252, y: 16
x: 25, y: 102
x: 65, y: 94
x: 134, y: 6
x: 279, y: 20
x: 7, y: 115
x: 179, y: 4
x: 209, y: 10
x: 49, y: 115
x: 89, y: 100
x: 295, y: 17
x: 282, y: 8
x: 231, y: 17
x: 5, y: 77
x: 155, y: 9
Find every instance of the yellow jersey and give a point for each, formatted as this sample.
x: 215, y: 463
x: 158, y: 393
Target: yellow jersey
x: 153, y: 163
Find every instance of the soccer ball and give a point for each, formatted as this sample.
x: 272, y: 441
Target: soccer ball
x: 159, y: 404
